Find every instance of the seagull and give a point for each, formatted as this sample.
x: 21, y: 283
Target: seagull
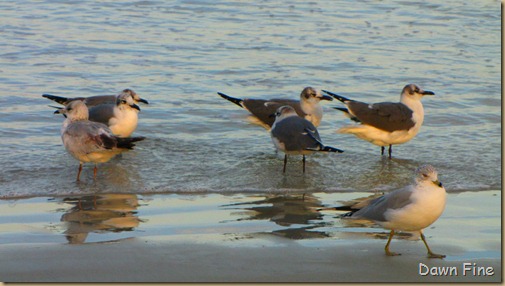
x: 386, y: 123
x: 412, y: 208
x: 307, y: 107
x: 121, y: 116
x: 97, y: 99
x: 295, y: 135
x: 89, y: 141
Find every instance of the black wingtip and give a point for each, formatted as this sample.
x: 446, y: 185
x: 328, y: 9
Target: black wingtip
x: 50, y: 96
x: 342, y: 109
x: 59, y: 99
x: 332, y: 149
x: 237, y: 101
x: 336, y: 96
x: 138, y: 138
x: 340, y: 208
x: 348, y: 114
x: 128, y: 142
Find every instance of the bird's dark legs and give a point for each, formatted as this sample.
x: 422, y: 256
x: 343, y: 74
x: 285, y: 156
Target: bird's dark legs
x: 389, y: 253
x: 389, y: 151
x: 94, y: 172
x: 285, y: 161
x: 79, y: 172
x: 303, y: 160
x: 430, y: 254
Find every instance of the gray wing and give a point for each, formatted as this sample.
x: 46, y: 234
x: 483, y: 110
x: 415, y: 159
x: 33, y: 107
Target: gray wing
x: 388, y: 116
x: 88, y: 137
x: 100, y: 99
x: 263, y: 109
x: 379, y: 206
x: 102, y: 113
x: 293, y: 132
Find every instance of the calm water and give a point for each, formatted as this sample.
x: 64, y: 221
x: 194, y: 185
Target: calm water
x: 178, y: 54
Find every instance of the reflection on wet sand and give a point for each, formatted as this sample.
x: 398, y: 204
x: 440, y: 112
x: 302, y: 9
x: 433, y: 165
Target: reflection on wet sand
x: 296, y: 212
x: 99, y: 214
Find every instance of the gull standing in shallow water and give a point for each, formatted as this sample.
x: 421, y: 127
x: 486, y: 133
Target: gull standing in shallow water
x: 89, y: 141
x: 97, y: 99
x: 307, y: 107
x: 386, y: 123
x: 412, y: 208
x: 294, y: 135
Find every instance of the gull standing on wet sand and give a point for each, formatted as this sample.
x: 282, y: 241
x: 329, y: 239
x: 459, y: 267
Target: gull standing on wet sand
x: 386, y: 123
x: 294, y: 135
x: 89, y: 141
x: 412, y: 208
x: 97, y: 99
x: 121, y: 116
x: 307, y: 107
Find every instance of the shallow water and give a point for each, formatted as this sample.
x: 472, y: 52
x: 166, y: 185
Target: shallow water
x: 179, y: 54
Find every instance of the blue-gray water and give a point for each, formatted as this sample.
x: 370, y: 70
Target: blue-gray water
x: 178, y: 54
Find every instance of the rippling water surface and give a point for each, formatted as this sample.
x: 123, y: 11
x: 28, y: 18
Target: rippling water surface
x: 178, y: 54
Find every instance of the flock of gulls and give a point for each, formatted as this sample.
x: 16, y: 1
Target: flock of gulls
x: 97, y: 128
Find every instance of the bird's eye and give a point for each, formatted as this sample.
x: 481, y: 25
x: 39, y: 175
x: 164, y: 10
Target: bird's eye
x: 69, y: 108
x: 425, y: 175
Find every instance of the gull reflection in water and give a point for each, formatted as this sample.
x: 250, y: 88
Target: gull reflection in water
x: 298, y: 214
x: 104, y: 213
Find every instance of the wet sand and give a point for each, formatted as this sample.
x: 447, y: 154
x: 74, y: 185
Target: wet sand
x: 236, y: 238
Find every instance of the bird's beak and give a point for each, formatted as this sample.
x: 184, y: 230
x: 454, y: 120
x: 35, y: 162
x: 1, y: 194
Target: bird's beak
x: 438, y: 183
x: 143, y: 101
x: 427, y: 92
x: 61, y: 111
x: 135, y: 106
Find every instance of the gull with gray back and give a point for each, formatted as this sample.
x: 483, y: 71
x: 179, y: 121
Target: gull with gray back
x: 385, y: 123
x: 412, y: 208
x: 295, y: 135
x: 307, y: 107
x: 89, y: 141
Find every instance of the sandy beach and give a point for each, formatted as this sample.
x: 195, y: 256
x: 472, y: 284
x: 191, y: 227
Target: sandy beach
x: 237, y: 238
